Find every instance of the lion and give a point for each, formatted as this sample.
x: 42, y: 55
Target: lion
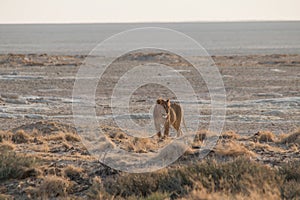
x: 167, y: 114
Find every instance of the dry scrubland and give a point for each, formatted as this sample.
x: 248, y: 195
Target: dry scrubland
x: 46, y: 160
x: 43, y: 159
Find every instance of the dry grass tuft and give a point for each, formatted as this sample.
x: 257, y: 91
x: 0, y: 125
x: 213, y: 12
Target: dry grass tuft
x: 96, y: 191
x: 230, y: 135
x: 5, y: 135
x: 232, y: 148
x: 54, y: 187
x: 201, y: 135
x: 265, y: 136
x: 6, y: 146
x: 71, y: 137
x: 260, y: 146
x: 293, y: 138
x: 20, y: 137
x: 13, y: 165
x: 139, y: 145
x: 41, y: 148
x: 238, y: 177
x: 56, y: 137
x: 6, y: 197
x: 73, y: 172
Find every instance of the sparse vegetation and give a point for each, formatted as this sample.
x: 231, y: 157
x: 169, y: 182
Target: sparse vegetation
x: 265, y: 136
x: 54, y: 187
x: 20, y: 137
x: 232, y: 148
x: 72, y: 137
x: 231, y: 171
x: 13, y: 165
x: 293, y: 138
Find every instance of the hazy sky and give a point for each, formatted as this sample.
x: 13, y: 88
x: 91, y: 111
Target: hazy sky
x: 67, y: 11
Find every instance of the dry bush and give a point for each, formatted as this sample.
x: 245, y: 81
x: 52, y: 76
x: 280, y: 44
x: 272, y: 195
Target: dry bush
x: 45, y: 128
x: 143, y: 145
x: 291, y: 185
x: 230, y: 135
x: 5, y: 136
x: 20, y: 137
x: 293, y: 138
x: 232, y: 148
x: 201, y: 194
x: 139, y: 145
x: 73, y: 172
x: 56, y: 137
x: 265, y: 136
x: 41, y: 148
x: 199, y: 138
x: 54, y: 187
x: 260, y: 146
x: 6, y: 197
x: 6, y: 146
x: 71, y: 137
x: 96, y: 191
x: 13, y: 165
x: 238, y: 177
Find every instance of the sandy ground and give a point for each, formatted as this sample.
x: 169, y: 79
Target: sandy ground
x: 262, y: 91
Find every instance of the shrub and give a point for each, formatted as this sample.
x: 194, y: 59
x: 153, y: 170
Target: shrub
x: 13, y: 165
x: 54, y: 186
x: 20, y: 137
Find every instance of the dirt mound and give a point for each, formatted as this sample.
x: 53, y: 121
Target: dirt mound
x: 46, y: 128
x: 161, y: 57
x: 40, y: 60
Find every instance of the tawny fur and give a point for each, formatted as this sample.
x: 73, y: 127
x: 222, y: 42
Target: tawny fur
x: 167, y: 114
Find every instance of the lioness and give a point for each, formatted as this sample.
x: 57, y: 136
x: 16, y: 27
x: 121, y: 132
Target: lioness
x: 167, y: 113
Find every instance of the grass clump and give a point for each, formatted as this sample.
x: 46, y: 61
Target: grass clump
x: 291, y: 185
x: 232, y: 148
x: 73, y: 172
x: 13, y: 165
x: 5, y: 136
x: 71, y: 137
x: 265, y: 136
x: 293, y: 138
x: 54, y: 187
x: 6, y: 146
x: 230, y: 135
x: 20, y: 137
x: 240, y: 176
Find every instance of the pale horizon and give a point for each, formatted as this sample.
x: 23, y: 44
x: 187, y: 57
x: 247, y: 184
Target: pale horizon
x: 136, y: 11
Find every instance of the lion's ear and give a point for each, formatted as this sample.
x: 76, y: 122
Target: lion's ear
x: 159, y: 101
x: 168, y: 102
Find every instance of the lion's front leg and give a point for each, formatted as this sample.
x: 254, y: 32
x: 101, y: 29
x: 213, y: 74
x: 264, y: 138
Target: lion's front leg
x: 167, y: 128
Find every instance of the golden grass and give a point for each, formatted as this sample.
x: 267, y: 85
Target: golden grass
x: 72, y: 171
x: 230, y: 135
x: 199, y: 138
x: 232, y: 148
x: 13, y: 165
x: 265, y: 136
x: 54, y: 186
x: 7, y: 145
x: 40, y: 148
x: 292, y: 138
x: 264, y: 146
x: 20, y: 137
x: 71, y: 137
x: 55, y: 137
x: 6, y: 197
x: 5, y: 135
